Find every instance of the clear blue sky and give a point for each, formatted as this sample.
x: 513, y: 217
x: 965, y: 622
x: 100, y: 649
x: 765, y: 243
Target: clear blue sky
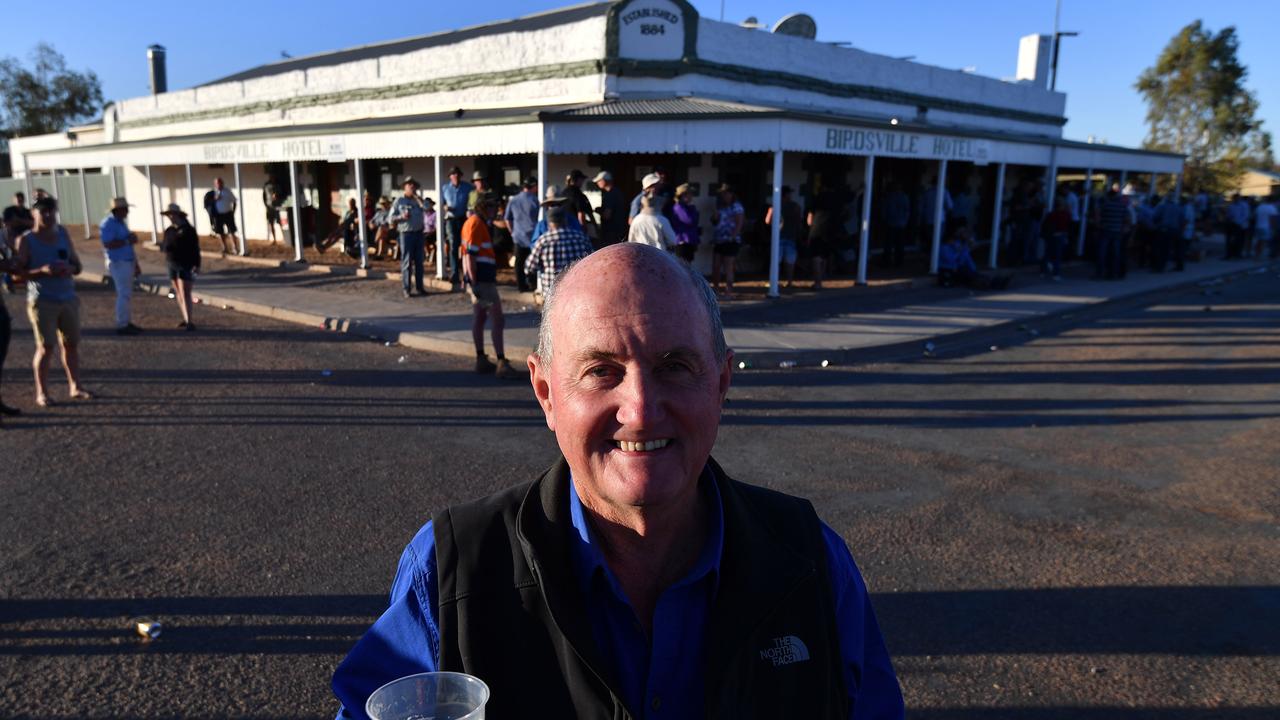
x: 1119, y: 38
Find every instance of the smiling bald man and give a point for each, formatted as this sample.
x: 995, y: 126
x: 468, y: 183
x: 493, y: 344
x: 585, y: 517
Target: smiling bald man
x: 633, y: 579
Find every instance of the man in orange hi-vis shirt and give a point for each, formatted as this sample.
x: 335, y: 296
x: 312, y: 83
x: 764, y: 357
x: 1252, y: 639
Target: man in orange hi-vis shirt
x: 480, y: 277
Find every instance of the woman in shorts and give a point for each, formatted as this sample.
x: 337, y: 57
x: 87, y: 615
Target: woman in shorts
x: 181, y: 248
x: 727, y: 219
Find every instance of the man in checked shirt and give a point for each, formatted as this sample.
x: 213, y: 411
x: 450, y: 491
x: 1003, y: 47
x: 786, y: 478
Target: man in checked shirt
x: 557, y: 249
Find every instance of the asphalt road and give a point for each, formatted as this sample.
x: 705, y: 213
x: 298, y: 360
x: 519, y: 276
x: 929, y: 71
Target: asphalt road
x: 1079, y: 524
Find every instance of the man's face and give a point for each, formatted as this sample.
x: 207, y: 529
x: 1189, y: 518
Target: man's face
x: 633, y: 391
x: 408, y: 189
x: 217, y: 184
x: 603, y: 185
x: 44, y: 217
x: 455, y: 178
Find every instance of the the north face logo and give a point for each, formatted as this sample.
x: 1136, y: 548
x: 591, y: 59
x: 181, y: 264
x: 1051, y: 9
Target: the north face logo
x: 786, y: 650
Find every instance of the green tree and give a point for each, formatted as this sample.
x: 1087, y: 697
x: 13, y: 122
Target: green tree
x: 1197, y: 105
x: 47, y: 96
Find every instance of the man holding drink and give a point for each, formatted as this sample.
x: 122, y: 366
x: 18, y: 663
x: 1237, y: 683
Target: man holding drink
x: 633, y: 578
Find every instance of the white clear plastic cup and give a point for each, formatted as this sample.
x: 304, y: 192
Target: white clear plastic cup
x: 429, y: 696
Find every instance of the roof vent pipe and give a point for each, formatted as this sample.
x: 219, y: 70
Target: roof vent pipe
x: 155, y: 60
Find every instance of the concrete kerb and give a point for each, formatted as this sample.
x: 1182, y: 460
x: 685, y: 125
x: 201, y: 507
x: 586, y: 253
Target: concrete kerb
x: 962, y: 342
x: 371, y: 330
x: 954, y: 342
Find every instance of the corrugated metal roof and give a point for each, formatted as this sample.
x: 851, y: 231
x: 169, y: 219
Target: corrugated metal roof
x: 662, y: 107
x: 527, y: 23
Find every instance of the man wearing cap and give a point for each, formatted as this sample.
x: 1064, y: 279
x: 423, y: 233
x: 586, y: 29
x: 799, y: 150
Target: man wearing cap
x: 48, y: 259
x: 648, y: 187
x: 613, y: 210
x: 521, y: 217
x: 650, y: 227
x: 576, y: 202
x: 635, y: 578
x: 453, y: 201
x: 122, y: 262
x: 406, y: 212
x: 557, y: 249
x: 224, y: 224
x: 480, y: 276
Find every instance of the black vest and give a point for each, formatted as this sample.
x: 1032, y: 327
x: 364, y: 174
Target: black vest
x: 512, y: 613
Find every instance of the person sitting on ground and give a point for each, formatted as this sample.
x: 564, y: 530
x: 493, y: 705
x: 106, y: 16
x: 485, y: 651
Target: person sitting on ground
x: 430, y: 229
x: 384, y: 231
x: 635, y: 577
x: 650, y: 227
x: 181, y: 248
x: 956, y: 265
x: 48, y: 259
x: 344, y: 230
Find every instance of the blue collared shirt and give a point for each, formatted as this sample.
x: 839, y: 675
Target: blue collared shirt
x: 111, y: 230
x: 455, y: 196
x: 406, y: 640
x: 521, y: 217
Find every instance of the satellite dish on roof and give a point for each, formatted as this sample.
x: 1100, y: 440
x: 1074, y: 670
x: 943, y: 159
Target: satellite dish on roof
x: 799, y: 25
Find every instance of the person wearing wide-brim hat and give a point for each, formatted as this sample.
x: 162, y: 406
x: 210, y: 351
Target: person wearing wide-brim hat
x: 181, y: 248
x: 122, y: 261
x: 553, y: 199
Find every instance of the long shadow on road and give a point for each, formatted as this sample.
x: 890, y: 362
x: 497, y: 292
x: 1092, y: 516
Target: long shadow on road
x: 1171, y: 620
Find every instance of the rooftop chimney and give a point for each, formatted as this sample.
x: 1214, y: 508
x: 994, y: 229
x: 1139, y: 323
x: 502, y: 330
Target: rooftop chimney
x: 1033, y: 60
x: 155, y: 60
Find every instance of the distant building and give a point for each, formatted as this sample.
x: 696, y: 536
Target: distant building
x: 1259, y: 183
x: 619, y: 86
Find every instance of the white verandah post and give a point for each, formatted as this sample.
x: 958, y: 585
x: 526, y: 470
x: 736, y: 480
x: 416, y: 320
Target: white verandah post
x: 364, y: 234
x: 26, y: 179
x: 939, y: 196
x: 191, y: 188
x: 84, y: 198
x: 775, y: 228
x: 244, y: 249
x: 864, y: 234
x: 1084, y: 211
x: 442, y: 246
x: 115, y: 191
x: 151, y: 205
x: 993, y: 258
x: 297, y: 211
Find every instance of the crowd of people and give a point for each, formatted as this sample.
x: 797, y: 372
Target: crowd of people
x: 37, y: 252
x: 478, y: 230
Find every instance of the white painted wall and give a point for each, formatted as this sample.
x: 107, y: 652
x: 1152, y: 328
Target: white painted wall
x: 726, y: 43
x: 495, y: 54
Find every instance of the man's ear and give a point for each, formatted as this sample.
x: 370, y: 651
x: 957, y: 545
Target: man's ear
x: 540, y: 378
x: 726, y: 375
